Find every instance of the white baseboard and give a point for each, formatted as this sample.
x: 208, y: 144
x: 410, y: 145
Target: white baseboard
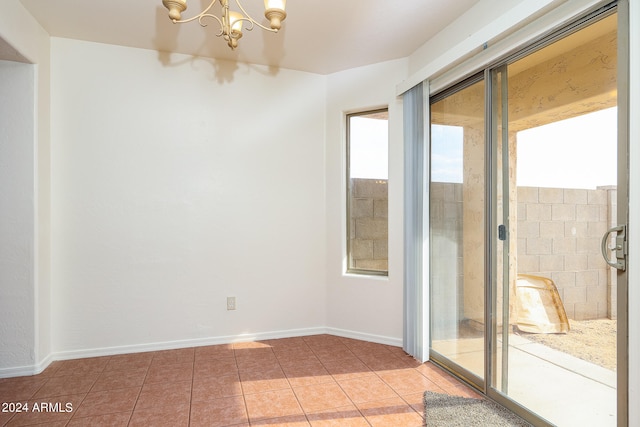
x: 380, y: 339
x: 172, y: 345
x: 199, y: 342
x: 23, y: 371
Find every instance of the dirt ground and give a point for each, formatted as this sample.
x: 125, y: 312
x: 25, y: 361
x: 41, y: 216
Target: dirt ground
x: 590, y: 340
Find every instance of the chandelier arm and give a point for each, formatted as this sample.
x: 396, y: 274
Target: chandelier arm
x: 199, y: 16
x: 251, y: 20
x: 204, y: 24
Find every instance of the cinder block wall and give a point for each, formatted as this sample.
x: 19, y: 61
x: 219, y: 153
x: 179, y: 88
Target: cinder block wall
x: 369, y: 228
x: 559, y: 234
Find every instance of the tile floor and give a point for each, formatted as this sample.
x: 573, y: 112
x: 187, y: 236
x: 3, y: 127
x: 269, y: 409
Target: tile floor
x: 319, y: 380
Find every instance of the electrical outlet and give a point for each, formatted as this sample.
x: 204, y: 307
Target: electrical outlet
x: 231, y: 303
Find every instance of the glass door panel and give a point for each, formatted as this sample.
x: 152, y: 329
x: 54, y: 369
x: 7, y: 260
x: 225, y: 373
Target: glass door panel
x: 554, y: 128
x: 457, y: 241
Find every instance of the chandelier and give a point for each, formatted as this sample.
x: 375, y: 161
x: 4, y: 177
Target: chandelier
x: 231, y: 22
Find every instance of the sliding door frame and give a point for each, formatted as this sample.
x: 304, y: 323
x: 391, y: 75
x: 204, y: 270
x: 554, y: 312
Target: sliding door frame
x: 594, y: 13
x: 622, y: 363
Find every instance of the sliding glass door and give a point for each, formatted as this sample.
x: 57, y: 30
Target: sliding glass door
x: 556, y: 181
x: 528, y: 213
x: 457, y: 218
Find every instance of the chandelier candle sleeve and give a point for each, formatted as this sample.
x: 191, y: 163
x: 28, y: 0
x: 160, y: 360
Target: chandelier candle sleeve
x: 176, y: 7
x: 230, y: 22
x: 274, y: 12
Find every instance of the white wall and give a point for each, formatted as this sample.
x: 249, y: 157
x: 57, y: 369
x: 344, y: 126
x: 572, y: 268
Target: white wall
x: 480, y: 27
x: 364, y: 306
x: 30, y: 151
x: 177, y: 182
x: 17, y: 215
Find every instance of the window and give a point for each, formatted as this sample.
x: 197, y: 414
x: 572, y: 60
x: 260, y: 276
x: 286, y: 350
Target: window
x: 367, y: 178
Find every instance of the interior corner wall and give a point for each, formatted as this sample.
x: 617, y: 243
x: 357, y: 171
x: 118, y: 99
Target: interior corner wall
x: 178, y: 182
x: 369, y: 307
x: 27, y: 142
x: 17, y: 215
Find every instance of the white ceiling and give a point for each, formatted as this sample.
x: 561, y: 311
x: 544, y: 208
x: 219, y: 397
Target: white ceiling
x: 317, y: 36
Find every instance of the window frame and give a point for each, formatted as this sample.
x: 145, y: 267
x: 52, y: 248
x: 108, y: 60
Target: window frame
x: 349, y: 194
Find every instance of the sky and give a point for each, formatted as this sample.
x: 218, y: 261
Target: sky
x: 369, y: 145
x: 575, y: 153
x: 446, y: 153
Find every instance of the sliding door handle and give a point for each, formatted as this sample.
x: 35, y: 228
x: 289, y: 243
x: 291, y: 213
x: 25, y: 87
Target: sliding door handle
x: 620, y: 249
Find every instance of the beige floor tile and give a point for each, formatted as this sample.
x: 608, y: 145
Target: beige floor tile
x: 406, y: 381
x: 163, y: 416
x: 5, y: 417
x: 322, y: 340
x: 303, y: 375
x: 129, y: 361
x: 323, y: 396
x: 260, y: 381
x: 272, y: 404
x: 345, y: 416
x: 109, y: 420
x: 327, y: 354
x: 219, y: 412
x: 210, y: 388
x: 20, y: 388
x: 169, y: 373
x: 389, y: 361
x: 214, y: 367
x: 82, y: 366
x: 164, y: 395
x: 288, y: 358
x: 390, y: 412
x: 67, y: 385
x: 290, y: 421
x: 367, y: 388
x: 49, y: 411
x: 112, y: 380
x: 259, y: 363
x: 214, y: 352
x: 50, y: 370
x: 319, y: 380
x: 239, y: 347
x: 108, y: 402
x: 347, y: 368
x: 173, y: 357
x: 415, y: 400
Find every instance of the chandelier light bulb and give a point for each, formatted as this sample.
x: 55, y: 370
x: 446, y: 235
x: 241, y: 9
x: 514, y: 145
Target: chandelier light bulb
x: 275, y: 4
x: 235, y: 22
